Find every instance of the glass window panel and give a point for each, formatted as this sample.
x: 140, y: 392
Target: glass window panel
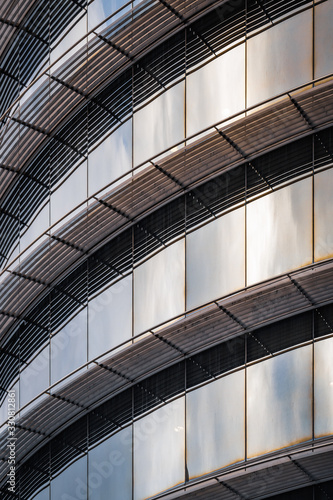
x: 323, y: 228
x: 216, y: 424
x: 160, y: 124
x: 78, y: 31
x: 215, y: 259
x: 69, y: 194
x: 323, y: 39
x: 37, y: 227
x: 279, y: 232
x: 279, y: 401
x: 111, y: 159
x: 69, y: 347
x: 216, y: 91
x: 323, y: 387
x: 98, y: 10
x: 159, y: 450
x: 35, y: 377
x: 14, y: 253
x: 110, y: 318
x: 110, y: 468
x: 280, y: 58
x: 71, y: 483
x: 159, y: 287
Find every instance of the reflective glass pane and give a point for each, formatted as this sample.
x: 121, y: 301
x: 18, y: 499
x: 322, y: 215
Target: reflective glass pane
x: 110, y: 318
x: 323, y: 228
x: 279, y: 232
x: 159, y: 288
x: 71, y: 483
x: 323, y: 39
x: 160, y: 124
x: 38, y: 226
x: 216, y: 424
x: 110, y: 468
x: 111, y: 159
x: 323, y: 387
x: 215, y: 259
x: 280, y: 58
x: 78, y: 31
x: 35, y: 377
x: 279, y: 401
x: 159, y: 450
x: 216, y: 91
x: 69, y: 347
x: 98, y: 10
x: 14, y: 252
x: 69, y: 194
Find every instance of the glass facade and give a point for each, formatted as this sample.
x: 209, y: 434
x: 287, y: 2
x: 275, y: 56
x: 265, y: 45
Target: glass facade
x: 224, y: 79
x: 280, y: 58
x: 323, y: 387
x: 273, y: 246
x: 279, y: 401
x: 213, y: 426
x: 166, y: 247
x: 216, y: 259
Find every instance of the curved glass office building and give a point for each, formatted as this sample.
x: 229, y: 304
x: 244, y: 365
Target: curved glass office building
x: 166, y: 249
